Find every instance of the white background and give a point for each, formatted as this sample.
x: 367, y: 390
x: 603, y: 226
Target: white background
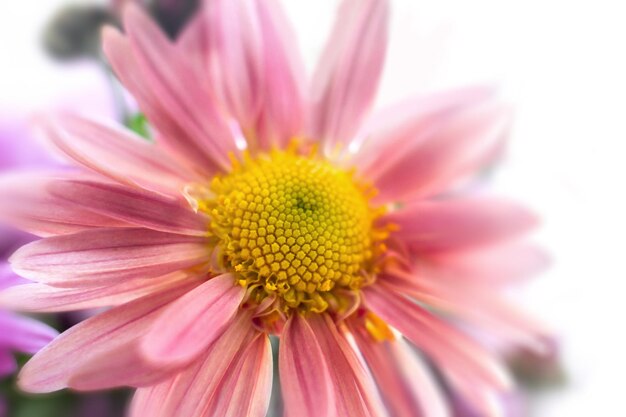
x: 563, y: 65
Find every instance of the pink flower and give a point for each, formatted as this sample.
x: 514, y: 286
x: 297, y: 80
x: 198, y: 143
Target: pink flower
x: 261, y: 210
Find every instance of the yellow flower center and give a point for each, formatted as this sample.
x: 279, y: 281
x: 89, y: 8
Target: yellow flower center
x: 294, y: 228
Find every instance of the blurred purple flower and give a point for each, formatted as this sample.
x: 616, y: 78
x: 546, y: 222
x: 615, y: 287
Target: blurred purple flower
x: 18, y: 151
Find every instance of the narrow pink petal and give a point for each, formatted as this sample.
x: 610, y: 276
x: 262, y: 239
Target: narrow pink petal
x: 478, y: 399
x: 452, y: 351
x: 282, y: 110
x: 355, y: 392
x: 117, y: 154
x: 452, y: 224
x: 171, y: 132
x: 234, y: 57
x: 100, y: 340
x: 180, y: 109
x: 247, y: 49
x: 487, y: 311
x: 28, y: 204
x: 394, y: 129
x: 406, y: 383
x: 148, y: 401
x: 44, y: 298
x: 192, y: 323
x: 133, y: 206
x: 193, y: 41
x: 438, y: 146
x: 105, y: 256
x: 346, y: 80
x: 304, y: 371
x: 246, y: 389
x: 192, y: 391
x: 496, y: 265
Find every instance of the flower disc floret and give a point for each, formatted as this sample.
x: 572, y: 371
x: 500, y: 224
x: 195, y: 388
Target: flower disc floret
x: 293, y: 227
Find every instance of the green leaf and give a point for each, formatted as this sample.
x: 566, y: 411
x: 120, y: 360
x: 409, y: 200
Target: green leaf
x: 139, y: 124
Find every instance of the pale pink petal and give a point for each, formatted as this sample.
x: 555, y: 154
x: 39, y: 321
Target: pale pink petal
x: 234, y: 57
x: 496, y: 265
x: 304, y: 371
x: 440, y: 225
x: 355, y: 392
x: 191, y: 392
x: 28, y: 204
x: 192, y: 323
x: 133, y: 206
x: 108, y: 339
x: 193, y: 42
x: 44, y: 298
x: 148, y: 401
x: 169, y: 92
x: 486, y: 310
x: 407, y: 385
x: 454, y: 353
x: 391, y: 131
x: 104, y: 256
x: 175, y: 83
x: 346, y: 80
x: 478, y: 399
x: 436, y: 148
x: 282, y: 110
x: 247, y: 50
x: 117, y: 154
x: 246, y: 389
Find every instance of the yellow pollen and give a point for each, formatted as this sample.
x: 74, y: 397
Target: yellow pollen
x: 294, y: 227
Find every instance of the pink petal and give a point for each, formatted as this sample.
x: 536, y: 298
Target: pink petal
x: 191, y: 392
x: 346, y: 80
x: 355, y: 392
x: 44, y: 298
x: 117, y: 154
x: 406, y: 383
x: 441, y: 143
x: 495, y: 265
x: 305, y: 377
x: 29, y: 205
x: 282, y: 111
x: 194, y: 321
x: 176, y: 85
x: 485, y: 310
x: 457, y: 355
x: 107, y: 340
x: 170, y: 94
x: 248, y: 50
x: 105, y: 256
x: 234, y: 56
x: 392, y: 130
x: 246, y: 389
x: 133, y: 206
x: 441, y: 225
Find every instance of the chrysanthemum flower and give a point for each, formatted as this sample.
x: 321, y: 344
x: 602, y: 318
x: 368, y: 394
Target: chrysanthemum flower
x: 260, y: 210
